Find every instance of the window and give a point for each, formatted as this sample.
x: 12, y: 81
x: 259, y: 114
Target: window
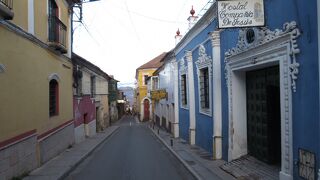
x: 93, y: 85
x: 204, y: 70
x: 204, y: 88
x: 53, y: 98
x: 145, y: 79
x: 183, y: 89
x: 57, y: 29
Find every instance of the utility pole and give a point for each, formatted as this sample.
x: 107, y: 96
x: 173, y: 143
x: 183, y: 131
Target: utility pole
x: 79, y: 7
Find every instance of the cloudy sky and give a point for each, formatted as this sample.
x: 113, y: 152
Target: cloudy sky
x: 120, y: 35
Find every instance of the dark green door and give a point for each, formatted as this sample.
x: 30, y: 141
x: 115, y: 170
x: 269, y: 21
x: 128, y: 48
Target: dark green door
x: 263, y: 114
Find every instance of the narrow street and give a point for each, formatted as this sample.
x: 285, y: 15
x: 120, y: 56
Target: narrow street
x: 133, y: 152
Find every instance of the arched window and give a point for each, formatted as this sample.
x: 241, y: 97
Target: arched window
x: 53, y: 97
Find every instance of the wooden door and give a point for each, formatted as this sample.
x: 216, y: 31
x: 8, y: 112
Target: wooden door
x: 263, y: 114
x: 146, y: 112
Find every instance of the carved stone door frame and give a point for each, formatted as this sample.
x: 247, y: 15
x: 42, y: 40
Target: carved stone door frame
x: 268, y: 48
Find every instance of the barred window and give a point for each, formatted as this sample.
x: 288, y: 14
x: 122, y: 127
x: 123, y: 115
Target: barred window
x: 184, y: 100
x: 93, y: 86
x: 204, y: 88
x: 53, y: 97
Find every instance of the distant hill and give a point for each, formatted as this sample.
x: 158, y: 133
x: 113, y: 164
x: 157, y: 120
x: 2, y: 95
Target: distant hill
x: 129, y: 92
x: 121, y: 84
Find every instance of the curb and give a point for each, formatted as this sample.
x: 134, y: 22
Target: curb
x: 190, y: 169
x: 65, y: 174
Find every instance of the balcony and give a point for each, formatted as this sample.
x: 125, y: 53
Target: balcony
x: 57, y: 34
x: 6, y: 12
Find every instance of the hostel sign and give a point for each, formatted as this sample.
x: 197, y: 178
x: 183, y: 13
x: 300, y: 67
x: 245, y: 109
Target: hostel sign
x: 240, y: 13
x: 158, y: 94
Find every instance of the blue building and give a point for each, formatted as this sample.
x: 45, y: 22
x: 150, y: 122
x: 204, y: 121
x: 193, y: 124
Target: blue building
x: 254, y: 91
x: 199, y: 76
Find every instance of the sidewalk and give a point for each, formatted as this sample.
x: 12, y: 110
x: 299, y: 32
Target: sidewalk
x: 194, y: 158
x: 60, y: 166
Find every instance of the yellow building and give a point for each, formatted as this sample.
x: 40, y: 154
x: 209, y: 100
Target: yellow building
x: 143, y: 102
x: 36, y: 102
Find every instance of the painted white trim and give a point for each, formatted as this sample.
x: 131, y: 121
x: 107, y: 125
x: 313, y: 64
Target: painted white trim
x: 54, y: 76
x: 192, y: 108
x: 69, y: 35
x: 2, y: 68
x: 204, y: 61
x: 217, y: 98
x: 184, y: 71
x: 176, y: 100
x: 31, y: 16
x: 274, y: 48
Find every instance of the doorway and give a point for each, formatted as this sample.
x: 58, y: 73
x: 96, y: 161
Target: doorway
x: 146, y: 111
x: 263, y: 114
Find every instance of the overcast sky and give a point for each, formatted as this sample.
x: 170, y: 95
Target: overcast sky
x: 120, y: 35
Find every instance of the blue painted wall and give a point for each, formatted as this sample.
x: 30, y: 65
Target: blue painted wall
x: 204, y: 123
x: 306, y: 99
x: 184, y: 124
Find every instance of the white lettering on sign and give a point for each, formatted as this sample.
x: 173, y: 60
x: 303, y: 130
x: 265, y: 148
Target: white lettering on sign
x: 240, y: 13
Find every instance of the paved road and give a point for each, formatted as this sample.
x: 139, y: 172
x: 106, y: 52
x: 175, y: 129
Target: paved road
x: 132, y: 153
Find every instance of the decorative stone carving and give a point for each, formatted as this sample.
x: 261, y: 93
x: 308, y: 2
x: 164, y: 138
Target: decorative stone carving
x: 277, y: 46
x: 183, y: 68
x: 54, y: 76
x: 262, y: 36
x: 215, y: 38
x: 203, y: 60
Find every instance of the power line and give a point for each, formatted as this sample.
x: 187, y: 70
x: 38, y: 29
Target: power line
x: 87, y: 29
x: 130, y: 18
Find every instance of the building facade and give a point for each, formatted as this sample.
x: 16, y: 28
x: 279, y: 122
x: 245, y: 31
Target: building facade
x: 143, y: 102
x: 113, y: 97
x: 91, y: 108
x: 36, y: 84
x: 254, y: 91
x: 164, y: 112
x: 198, y: 77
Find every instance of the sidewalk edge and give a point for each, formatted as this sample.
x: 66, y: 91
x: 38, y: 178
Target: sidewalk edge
x: 65, y: 174
x: 190, y: 169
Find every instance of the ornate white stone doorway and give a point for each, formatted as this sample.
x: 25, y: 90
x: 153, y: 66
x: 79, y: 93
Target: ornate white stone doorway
x: 257, y: 49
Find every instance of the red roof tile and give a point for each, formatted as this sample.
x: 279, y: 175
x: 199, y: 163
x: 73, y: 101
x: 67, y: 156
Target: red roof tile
x: 154, y: 63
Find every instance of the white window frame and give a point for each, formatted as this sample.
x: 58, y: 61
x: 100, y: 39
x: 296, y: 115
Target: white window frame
x: 183, y: 71
x: 204, y: 61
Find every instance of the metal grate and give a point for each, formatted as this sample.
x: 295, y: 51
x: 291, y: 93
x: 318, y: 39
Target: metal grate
x: 307, y: 164
x: 57, y: 31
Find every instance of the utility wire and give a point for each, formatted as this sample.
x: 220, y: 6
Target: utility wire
x: 132, y: 23
x: 87, y: 29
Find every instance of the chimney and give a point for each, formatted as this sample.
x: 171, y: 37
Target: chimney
x: 177, y: 37
x: 192, y: 19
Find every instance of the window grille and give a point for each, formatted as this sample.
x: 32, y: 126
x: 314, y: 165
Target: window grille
x: 184, y: 89
x: 53, y: 98
x: 204, y: 88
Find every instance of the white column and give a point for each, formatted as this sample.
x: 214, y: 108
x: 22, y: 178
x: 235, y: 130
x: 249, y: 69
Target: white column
x: 150, y: 111
x: 141, y: 111
x: 217, y: 102
x: 176, y: 101
x: 191, y: 100
x: 31, y: 16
